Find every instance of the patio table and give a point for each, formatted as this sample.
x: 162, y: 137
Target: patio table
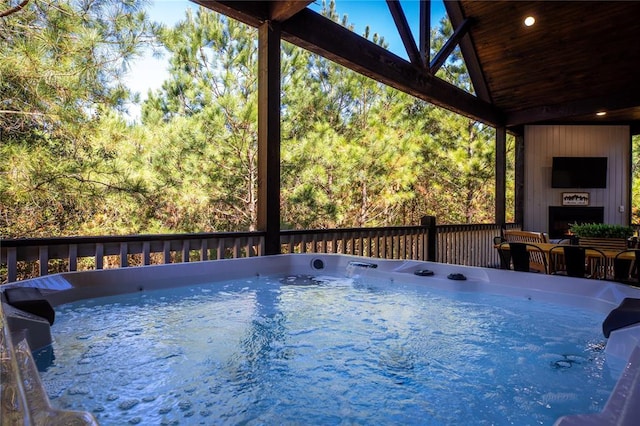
x: 610, y: 254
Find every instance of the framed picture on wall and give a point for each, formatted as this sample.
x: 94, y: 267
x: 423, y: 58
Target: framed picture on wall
x: 575, y: 198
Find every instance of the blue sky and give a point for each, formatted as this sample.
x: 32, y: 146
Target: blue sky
x: 375, y: 13
x: 149, y: 72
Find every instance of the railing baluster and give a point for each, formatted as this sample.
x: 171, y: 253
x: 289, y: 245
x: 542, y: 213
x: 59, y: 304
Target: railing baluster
x: 204, y: 255
x: 248, y: 247
x: 73, y: 257
x: 99, y: 255
x: 166, y: 252
x: 146, y: 253
x: 236, y: 250
x: 124, y: 260
x: 261, y: 247
x: 220, y: 249
x: 185, y: 250
x: 43, y: 259
x: 12, y: 264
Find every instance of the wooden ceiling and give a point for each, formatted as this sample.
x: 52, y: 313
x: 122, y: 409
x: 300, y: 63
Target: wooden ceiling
x: 579, y: 58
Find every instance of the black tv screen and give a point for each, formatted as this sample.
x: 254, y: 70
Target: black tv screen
x: 579, y: 172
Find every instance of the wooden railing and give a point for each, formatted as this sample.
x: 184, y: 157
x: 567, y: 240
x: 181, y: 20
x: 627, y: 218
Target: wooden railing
x: 26, y: 258
x: 458, y: 244
x: 470, y: 245
x: 401, y: 242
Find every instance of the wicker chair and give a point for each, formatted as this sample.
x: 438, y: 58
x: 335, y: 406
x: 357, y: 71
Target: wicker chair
x: 523, y: 257
x: 577, y: 261
x: 625, y: 269
x: 538, y: 260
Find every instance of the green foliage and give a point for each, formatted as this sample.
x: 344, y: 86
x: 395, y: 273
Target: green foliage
x: 601, y: 230
x: 354, y: 152
x: 61, y: 65
x: 204, y: 122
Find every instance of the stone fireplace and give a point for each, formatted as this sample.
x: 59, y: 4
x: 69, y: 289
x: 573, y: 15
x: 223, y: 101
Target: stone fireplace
x: 560, y: 217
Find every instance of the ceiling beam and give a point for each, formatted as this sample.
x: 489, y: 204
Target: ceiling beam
x: 255, y: 13
x: 324, y: 37
x: 454, y: 11
x: 252, y: 13
x: 425, y: 30
x: 405, y: 32
x: 320, y: 35
x: 284, y: 9
x: 609, y: 102
x: 448, y: 47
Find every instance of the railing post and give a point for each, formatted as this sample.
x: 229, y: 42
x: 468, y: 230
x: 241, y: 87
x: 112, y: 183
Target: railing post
x: 429, y: 222
x: 269, y: 138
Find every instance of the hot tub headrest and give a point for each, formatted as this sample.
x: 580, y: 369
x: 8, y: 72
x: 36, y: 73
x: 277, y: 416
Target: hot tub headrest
x: 30, y: 299
x: 627, y: 313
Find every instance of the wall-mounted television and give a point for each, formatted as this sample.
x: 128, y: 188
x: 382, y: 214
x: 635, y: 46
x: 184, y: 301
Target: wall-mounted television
x: 579, y: 172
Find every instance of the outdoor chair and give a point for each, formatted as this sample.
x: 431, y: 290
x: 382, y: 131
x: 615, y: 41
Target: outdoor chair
x: 503, y: 255
x: 514, y: 235
x: 523, y: 257
x: 625, y: 268
x: 574, y: 261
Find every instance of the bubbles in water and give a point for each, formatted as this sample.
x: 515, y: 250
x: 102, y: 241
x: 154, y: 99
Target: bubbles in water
x: 304, y: 349
x: 184, y: 405
x: 128, y: 404
x: 558, y: 397
x: 78, y: 390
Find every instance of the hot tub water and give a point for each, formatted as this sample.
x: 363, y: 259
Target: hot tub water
x: 325, y: 350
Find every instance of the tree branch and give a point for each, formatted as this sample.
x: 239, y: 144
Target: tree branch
x: 14, y: 9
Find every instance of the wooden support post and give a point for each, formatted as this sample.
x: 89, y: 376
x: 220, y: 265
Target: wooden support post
x: 519, y: 181
x: 501, y: 175
x: 269, y: 135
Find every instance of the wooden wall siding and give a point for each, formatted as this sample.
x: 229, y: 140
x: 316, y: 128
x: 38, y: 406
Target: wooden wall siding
x: 542, y: 143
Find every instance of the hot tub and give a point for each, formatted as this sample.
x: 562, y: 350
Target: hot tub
x: 26, y: 321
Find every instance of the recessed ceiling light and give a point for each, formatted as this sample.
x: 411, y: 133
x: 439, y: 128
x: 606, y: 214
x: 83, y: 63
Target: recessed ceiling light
x: 601, y: 113
x: 529, y: 21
